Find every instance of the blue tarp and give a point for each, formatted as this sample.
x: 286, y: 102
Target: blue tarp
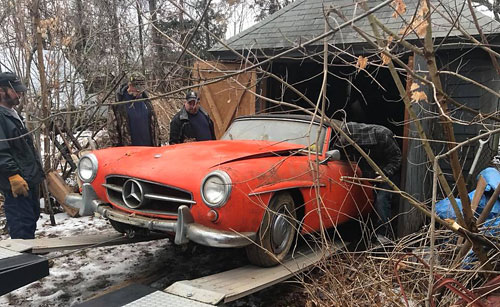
x: 445, y: 211
x: 491, y: 227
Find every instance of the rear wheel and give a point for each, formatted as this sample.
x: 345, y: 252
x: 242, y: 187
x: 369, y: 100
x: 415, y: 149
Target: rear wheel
x: 276, y: 233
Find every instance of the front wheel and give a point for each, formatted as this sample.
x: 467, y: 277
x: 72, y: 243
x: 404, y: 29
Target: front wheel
x: 276, y: 233
x: 129, y: 230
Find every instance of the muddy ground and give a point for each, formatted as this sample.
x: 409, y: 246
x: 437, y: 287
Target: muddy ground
x: 76, y: 276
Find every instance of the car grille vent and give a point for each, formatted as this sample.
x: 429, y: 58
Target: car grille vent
x: 146, y: 197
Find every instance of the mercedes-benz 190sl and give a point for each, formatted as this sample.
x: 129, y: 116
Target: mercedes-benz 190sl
x: 267, y: 179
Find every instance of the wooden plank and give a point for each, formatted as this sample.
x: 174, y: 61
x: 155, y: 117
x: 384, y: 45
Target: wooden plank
x: 234, y: 284
x: 227, y: 98
x: 45, y: 245
x: 213, y: 108
x: 59, y: 189
x: 234, y: 107
x: 206, y: 100
x: 15, y: 245
x: 481, y: 185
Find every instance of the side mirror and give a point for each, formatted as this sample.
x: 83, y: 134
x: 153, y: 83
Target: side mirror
x: 331, y: 155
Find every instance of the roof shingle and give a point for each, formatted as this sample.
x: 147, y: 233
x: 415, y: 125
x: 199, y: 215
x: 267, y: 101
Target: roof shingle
x: 303, y: 19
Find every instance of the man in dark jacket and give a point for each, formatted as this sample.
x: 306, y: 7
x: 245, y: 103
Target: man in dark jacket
x: 192, y: 123
x: 379, y: 143
x: 133, y: 123
x: 20, y: 169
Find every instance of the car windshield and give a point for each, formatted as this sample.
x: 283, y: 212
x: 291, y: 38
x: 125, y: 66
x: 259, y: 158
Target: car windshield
x: 276, y: 129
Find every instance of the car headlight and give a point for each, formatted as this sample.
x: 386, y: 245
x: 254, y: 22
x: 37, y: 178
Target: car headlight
x: 87, y: 168
x: 216, y: 188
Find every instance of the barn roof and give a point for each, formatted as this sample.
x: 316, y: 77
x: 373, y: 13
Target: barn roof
x: 303, y: 20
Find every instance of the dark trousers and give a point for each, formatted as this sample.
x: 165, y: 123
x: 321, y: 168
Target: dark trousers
x: 22, y: 213
x: 383, y: 209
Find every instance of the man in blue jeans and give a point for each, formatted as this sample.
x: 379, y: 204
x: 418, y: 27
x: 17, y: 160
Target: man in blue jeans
x: 379, y: 143
x: 20, y: 169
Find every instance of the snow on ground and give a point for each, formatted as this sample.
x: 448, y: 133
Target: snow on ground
x: 76, y: 276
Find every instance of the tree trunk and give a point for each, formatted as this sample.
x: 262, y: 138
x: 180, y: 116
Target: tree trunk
x: 81, y: 39
x: 156, y: 36
x: 141, y: 40
x: 43, y: 79
x: 115, y: 26
x: 206, y: 24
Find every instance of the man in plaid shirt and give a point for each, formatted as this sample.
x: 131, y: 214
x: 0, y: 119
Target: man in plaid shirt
x: 379, y: 143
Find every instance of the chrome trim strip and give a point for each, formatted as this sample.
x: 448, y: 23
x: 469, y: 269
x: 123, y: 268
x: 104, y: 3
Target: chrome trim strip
x: 286, y: 188
x: 113, y: 187
x: 166, y: 198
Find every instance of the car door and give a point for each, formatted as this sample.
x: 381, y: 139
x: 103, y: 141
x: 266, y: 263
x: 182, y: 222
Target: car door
x: 345, y: 196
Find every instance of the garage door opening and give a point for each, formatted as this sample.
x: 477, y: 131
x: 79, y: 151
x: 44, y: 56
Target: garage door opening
x: 368, y: 96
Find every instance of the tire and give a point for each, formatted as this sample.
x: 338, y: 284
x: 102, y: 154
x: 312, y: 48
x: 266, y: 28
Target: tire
x: 129, y: 230
x: 276, y: 233
x: 120, y: 227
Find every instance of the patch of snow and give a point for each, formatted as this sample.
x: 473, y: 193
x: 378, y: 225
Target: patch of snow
x: 76, y: 276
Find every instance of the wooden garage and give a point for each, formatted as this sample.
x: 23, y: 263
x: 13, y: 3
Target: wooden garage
x: 365, y: 95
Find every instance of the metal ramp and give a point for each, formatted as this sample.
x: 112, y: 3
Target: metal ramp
x: 137, y: 295
x: 215, y: 289
x: 17, y: 270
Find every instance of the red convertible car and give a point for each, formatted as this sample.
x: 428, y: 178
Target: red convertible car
x: 268, y: 178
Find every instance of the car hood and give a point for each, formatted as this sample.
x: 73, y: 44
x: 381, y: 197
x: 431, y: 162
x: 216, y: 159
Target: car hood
x: 174, y: 159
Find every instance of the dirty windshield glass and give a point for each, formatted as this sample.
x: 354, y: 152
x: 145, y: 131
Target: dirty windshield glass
x: 278, y: 130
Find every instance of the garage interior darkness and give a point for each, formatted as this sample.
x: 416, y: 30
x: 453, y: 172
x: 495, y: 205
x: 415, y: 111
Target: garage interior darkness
x: 373, y: 100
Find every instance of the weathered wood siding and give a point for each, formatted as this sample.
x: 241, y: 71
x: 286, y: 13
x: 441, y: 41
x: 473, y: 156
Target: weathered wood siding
x: 476, y: 66
x: 416, y: 174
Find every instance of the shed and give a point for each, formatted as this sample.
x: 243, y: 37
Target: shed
x: 287, y: 45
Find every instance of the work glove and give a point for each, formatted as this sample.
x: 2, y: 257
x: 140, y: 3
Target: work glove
x: 18, y: 186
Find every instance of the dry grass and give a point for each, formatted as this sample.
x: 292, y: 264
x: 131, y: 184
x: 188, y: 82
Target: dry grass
x: 367, y: 277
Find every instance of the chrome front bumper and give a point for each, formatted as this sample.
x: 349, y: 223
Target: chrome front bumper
x: 184, y: 227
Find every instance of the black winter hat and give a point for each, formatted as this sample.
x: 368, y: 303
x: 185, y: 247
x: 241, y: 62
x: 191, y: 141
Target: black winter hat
x: 191, y: 95
x: 12, y: 80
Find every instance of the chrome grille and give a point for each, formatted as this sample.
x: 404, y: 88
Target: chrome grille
x: 144, y: 196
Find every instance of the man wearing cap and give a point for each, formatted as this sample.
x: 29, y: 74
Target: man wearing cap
x: 20, y: 169
x: 192, y: 123
x: 132, y: 121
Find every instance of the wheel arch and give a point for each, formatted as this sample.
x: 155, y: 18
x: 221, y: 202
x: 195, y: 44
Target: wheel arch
x: 298, y: 200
